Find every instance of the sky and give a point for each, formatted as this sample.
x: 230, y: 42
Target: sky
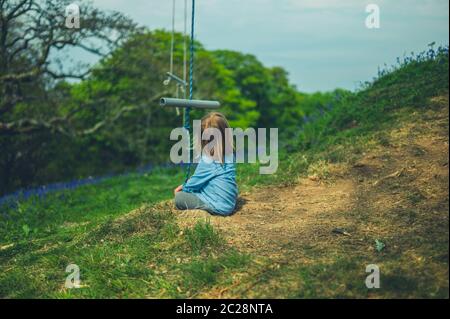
x: 323, y: 44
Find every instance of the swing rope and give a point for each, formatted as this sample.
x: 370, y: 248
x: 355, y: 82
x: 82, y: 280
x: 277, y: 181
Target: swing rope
x: 185, y: 46
x: 172, y: 42
x: 187, y: 122
x: 187, y: 118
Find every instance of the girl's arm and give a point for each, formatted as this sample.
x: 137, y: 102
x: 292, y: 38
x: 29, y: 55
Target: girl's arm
x: 203, y: 174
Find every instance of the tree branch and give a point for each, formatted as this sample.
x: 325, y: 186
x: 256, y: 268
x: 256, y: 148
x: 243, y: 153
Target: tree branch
x: 63, y: 126
x: 56, y: 76
x: 31, y: 30
x: 16, y: 12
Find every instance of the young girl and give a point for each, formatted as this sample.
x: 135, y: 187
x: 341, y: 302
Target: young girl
x: 213, y: 186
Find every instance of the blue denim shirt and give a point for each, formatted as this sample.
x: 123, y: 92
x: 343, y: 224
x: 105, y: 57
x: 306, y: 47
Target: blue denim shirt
x: 215, y: 184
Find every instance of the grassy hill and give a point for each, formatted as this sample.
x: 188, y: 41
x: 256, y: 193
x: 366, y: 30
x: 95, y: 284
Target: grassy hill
x: 375, y: 164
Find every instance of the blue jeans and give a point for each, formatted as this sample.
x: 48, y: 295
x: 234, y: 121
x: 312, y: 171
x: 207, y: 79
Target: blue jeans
x: 185, y: 201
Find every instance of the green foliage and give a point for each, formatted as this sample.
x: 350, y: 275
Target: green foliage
x: 276, y: 101
x: 132, y: 75
x: 379, y: 245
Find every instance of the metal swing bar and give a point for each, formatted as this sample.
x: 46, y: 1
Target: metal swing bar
x: 199, y: 104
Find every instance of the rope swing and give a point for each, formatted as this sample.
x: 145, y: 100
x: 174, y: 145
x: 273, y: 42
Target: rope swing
x: 181, y: 82
x: 190, y: 103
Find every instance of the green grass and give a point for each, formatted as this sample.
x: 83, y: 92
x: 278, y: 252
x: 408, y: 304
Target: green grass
x: 143, y: 256
x: 85, y: 205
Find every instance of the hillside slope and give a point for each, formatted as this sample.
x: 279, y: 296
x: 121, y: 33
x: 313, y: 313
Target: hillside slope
x: 396, y: 193
x: 367, y: 183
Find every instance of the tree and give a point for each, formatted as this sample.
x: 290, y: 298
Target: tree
x: 276, y: 100
x: 133, y: 74
x: 33, y: 46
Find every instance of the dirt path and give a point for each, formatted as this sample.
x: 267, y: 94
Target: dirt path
x: 393, y: 190
x: 273, y: 221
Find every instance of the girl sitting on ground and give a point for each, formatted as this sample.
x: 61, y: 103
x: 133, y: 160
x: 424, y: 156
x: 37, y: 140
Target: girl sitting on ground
x: 213, y: 186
